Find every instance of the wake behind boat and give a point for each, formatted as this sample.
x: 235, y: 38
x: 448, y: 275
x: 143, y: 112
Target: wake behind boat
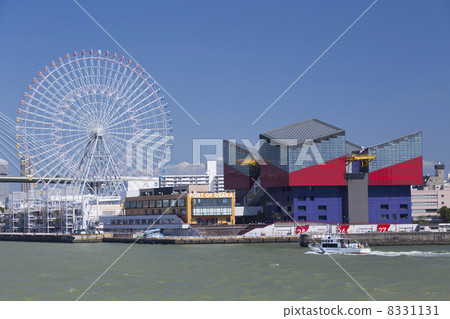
x: 334, y: 244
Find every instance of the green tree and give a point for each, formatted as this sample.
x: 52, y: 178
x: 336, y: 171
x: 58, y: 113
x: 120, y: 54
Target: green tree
x: 260, y: 216
x: 276, y: 216
x: 444, y: 214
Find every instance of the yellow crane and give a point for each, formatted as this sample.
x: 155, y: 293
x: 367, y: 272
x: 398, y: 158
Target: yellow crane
x: 364, y: 158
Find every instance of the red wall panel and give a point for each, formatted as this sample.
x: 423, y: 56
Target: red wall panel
x: 233, y: 179
x: 405, y: 173
x: 326, y: 174
x: 272, y: 176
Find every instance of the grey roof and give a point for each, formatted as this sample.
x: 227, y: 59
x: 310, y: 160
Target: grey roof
x: 311, y: 129
x: 352, y: 147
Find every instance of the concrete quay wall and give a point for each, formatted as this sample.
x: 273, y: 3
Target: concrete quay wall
x: 53, y: 238
x: 402, y: 239
x: 202, y: 240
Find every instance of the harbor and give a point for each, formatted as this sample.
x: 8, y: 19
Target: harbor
x: 373, y: 239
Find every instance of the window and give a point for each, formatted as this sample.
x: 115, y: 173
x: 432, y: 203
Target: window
x: 181, y: 202
x: 288, y: 198
x: 424, y: 196
x: 152, y: 203
x: 145, y: 204
x: 159, y: 203
x: 139, y: 204
x: 322, y: 207
x: 131, y: 221
x: 403, y: 206
x: 301, y: 208
x: 403, y: 216
x: 183, y: 212
x: 301, y: 198
x: 442, y: 203
x: 289, y: 208
x: 322, y: 217
x: 148, y: 212
x: 384, y: 216
x: 301, y: 218
x: 173, y: 202
x: 166, y: 203
x: 442, y: 195
x: 138, y: 221
x: 424, y: 203
x: 127, y: 204
x: 311, y: 197
x: 384, y: 206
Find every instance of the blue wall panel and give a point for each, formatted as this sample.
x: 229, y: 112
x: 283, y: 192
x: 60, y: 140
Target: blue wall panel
x: 393, y: 197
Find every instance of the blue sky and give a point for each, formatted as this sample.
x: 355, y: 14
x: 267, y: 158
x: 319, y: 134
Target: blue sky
x: 226, y: 61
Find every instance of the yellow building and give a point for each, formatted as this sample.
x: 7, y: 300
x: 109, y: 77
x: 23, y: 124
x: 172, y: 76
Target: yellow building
x: 192, y: 204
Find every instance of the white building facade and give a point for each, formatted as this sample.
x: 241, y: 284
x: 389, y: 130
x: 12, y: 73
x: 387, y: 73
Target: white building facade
x: 425, y: 203
x: 214, y: 181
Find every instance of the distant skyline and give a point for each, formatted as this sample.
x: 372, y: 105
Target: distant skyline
x: 226, y: 62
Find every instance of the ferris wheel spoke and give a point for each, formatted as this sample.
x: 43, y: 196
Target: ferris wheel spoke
x: 50, y: 164
x: 153, y: 93
x: 70, y: 76
x: 50, y: 147
x: 135, y: 111
x: 142, y: 113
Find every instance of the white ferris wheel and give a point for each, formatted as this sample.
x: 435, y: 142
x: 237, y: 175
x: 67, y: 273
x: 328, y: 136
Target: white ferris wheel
x: 94, y: 120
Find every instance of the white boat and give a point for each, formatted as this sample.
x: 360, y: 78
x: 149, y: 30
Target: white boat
x: 334, y: 244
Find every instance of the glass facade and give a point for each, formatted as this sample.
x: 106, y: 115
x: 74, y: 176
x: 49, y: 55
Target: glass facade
x: 328, y: 149
x: 241, y: 155
x: 211, y: 206
x: 304, y: 155
x: 396, y: 151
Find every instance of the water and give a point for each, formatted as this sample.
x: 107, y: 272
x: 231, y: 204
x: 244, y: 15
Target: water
x: 51, y: 271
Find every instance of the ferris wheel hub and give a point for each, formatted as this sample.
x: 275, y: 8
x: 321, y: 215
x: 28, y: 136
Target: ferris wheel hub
x: 97, y: 131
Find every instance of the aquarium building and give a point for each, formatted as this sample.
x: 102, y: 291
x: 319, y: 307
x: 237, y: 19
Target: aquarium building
x: 311, y: 172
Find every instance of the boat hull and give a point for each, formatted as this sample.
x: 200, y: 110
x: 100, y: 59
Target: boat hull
x: 339, y: 250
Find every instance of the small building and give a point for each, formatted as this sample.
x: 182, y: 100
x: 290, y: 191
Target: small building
x: 427, y: 199
x: 173, y: 210
x: 194, y: 204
